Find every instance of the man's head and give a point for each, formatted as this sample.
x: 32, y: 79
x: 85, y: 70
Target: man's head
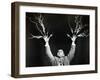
x: 60, y: 53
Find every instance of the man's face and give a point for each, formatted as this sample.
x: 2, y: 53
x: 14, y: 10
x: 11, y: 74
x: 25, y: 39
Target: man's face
x: 60, y: 53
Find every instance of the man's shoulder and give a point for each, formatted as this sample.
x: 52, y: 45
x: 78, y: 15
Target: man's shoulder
x: 56, y: 57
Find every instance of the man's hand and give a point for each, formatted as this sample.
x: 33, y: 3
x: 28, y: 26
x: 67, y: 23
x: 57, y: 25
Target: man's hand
x: 73, y: 38
x: 46, y: 39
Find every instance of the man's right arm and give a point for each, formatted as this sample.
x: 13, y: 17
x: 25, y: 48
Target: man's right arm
x: 48, y: 51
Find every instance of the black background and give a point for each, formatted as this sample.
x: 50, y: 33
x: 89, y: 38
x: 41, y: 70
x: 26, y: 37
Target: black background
x: 56, y: 24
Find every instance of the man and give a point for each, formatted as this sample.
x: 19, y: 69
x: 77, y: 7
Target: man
x: 60, y: 59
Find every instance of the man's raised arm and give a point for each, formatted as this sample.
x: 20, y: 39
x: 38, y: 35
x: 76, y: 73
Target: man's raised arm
x: 47, y: 47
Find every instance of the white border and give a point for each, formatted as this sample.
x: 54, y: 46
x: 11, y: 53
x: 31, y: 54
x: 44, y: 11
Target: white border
x: 53, y: 69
